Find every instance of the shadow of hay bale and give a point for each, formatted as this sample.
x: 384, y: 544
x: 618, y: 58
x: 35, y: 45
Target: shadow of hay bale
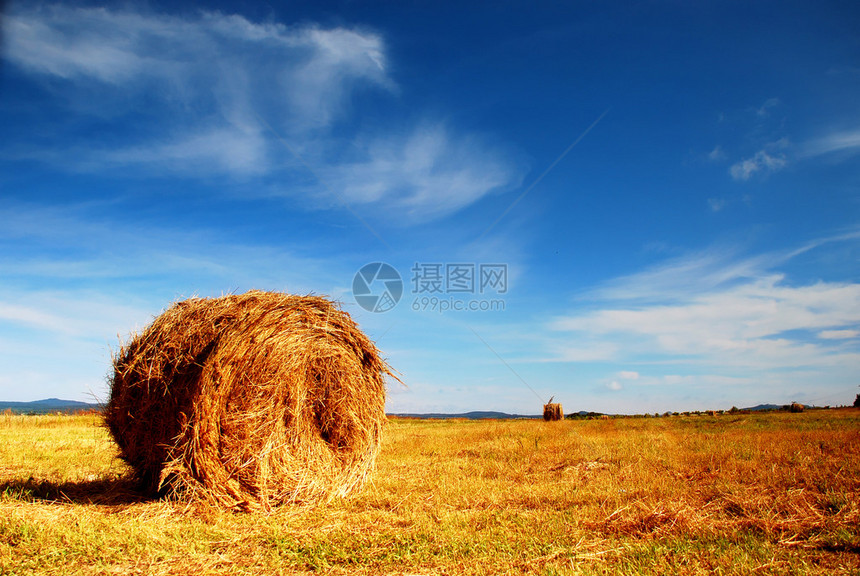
x: 250, y: 401
x: 110, y: 491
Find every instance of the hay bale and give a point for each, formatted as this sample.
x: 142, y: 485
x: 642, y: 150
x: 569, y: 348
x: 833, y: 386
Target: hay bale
x: 552, y: 412
x: 796, y: 407
x: 249, y: 400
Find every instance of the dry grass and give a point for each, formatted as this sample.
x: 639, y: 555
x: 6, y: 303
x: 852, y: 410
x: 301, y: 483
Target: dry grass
x: 771, y: 493
x: 249, y: 401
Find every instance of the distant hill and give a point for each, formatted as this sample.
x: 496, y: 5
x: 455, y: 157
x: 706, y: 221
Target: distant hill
x: 763, y: 407
x: 48, y: 406
x: 52, y: 405
x: 477, y: 415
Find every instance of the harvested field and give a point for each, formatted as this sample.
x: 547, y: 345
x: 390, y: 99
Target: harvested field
x: 774, y: 493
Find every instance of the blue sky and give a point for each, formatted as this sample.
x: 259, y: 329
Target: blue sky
x: 671, y: 189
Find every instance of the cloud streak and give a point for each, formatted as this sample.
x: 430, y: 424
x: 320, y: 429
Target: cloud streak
x: 838, y: 142
x: 723, y: 315
x: 763, y: 161
x: 209, y: 75
x: 213, y: 94
x: 426, y: 174
x: 748, y: 323
x: 193, y: 55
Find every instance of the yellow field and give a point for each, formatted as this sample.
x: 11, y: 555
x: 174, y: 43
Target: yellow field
x: 774, y: 493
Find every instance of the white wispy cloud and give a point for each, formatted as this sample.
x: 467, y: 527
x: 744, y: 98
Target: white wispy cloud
x: 83, y: 314
x: 847, y: 141
x: 29, y: 316
x: 72, y: 246
x: 725, y: 314
x: 764, y: 161
x: 676, y: 278
x: 771, y: 145
x: 196, y: 55
x: 838, y: 334
x: 235, y: 149
x: 59, y: 342
x: 765, y: 109
x: 427, y: 173
x: 746, y: 323
x: 74, y: 43
x: 209, y: 94
x: 581, y: 350
x: 340, y: 56
x: 779, y: 151
x: 716, y: 204
x: 717, y: 154
x: 211, y: 75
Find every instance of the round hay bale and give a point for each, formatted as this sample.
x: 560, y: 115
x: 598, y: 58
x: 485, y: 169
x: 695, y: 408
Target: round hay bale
x: 249, y: 400
x: 552, y: 412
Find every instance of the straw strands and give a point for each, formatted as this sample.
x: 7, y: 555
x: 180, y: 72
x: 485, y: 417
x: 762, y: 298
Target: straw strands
x: 552, y: 411
x: 250, y: 401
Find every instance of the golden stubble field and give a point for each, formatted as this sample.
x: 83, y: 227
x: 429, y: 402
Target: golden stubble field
x: 773, y: 493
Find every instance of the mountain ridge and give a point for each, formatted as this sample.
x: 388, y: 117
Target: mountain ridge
x: 52, y: 405
x: 48, y: 405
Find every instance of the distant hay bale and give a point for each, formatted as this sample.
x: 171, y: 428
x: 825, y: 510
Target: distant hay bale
x: 552, y: 412
x: 250, y: 401
x: 796, y: 407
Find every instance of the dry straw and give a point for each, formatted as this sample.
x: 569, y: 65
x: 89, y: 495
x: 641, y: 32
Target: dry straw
x: 552, y: 411
x: 249, y: 400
